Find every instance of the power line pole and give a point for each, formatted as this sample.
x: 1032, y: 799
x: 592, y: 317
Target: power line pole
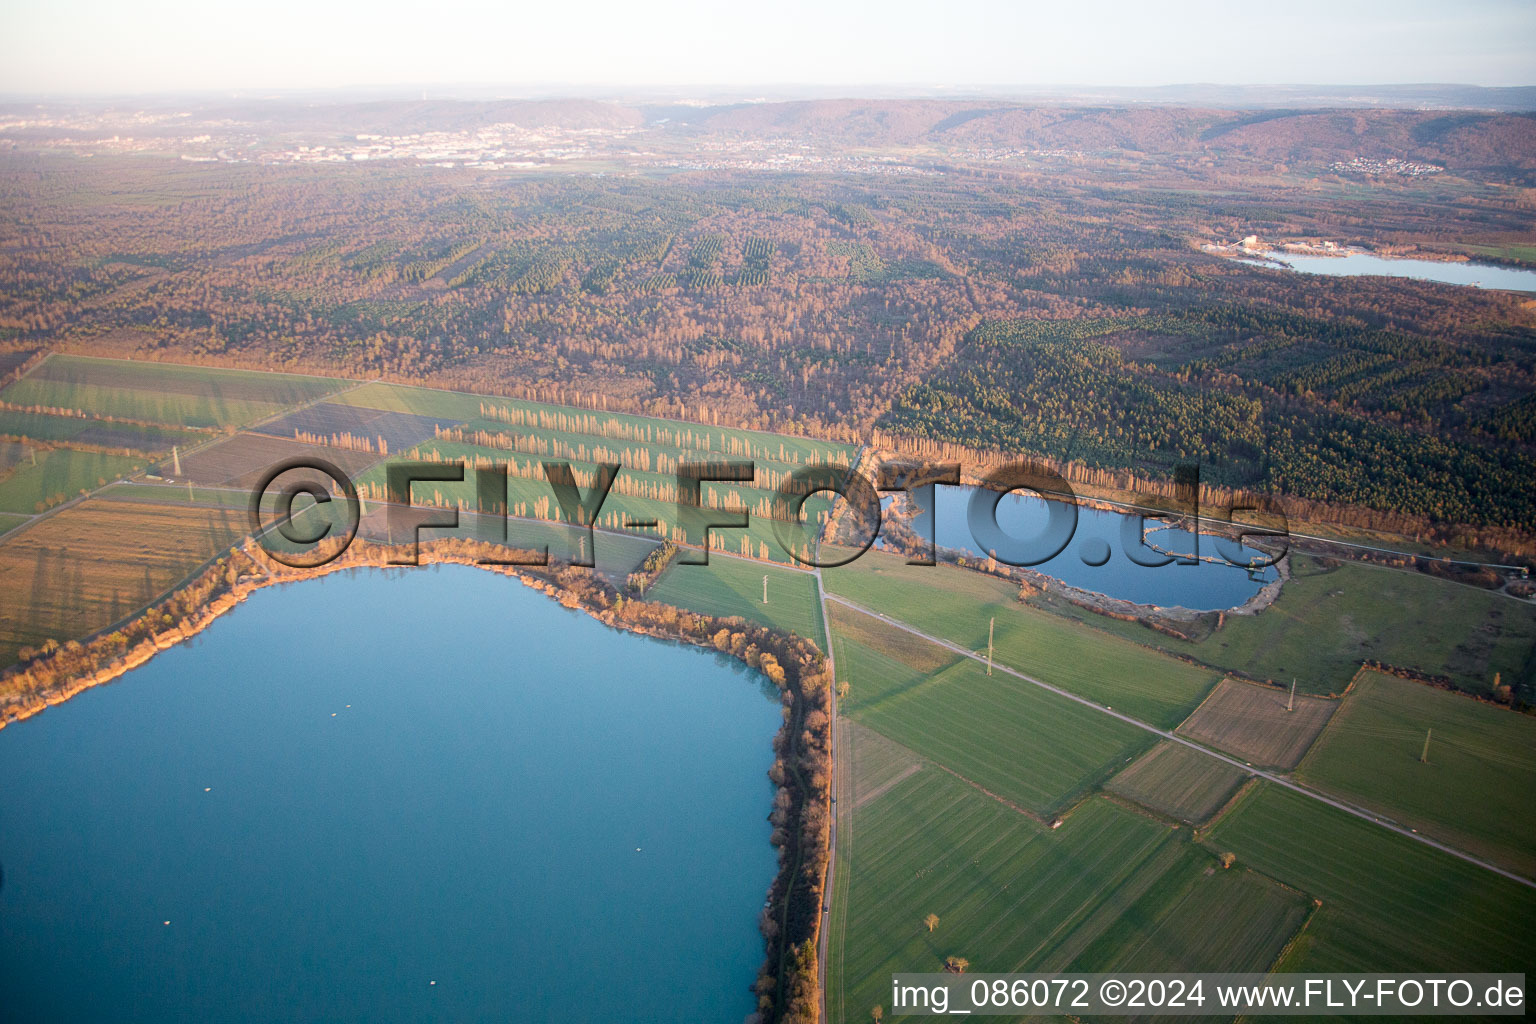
x: 1424, y: 757
x: 991, y: 626
x: 765, y: 588
x: 1290, y: 705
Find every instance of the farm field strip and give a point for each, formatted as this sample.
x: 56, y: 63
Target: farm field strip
x: 163, y: 393
x: 527, y: 468
x: 1005, y: 736
x: 80, y: 431
x: 1474, y: 790
x: 722, y: 441
x: 59, y: 475
x: 93, y: 564
x: 1006, y: 891
x: 1386, y: 904
x: 241, y: 460
x: 958, y: 605
x: 1278, y: 780
x: 388, y: 431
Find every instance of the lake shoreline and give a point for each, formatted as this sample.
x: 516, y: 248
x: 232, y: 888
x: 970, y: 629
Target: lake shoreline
x: 791, y: 919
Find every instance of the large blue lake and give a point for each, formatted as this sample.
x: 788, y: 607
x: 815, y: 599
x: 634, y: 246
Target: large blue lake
x: 348, y: 789
x: 1098, y: 558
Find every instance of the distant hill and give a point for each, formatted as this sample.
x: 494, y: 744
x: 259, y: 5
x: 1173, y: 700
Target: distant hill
x: 1466, y: 140
x: 1461, y: 140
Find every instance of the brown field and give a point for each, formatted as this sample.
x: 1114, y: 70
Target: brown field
x: 241, y: 461
x: 1174, y: 780
x: 1251, y: 722
x: 86, y: 567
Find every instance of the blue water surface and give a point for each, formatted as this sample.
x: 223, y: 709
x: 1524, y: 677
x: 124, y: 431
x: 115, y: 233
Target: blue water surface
x: 348, y: 789
x: 1099, y: 536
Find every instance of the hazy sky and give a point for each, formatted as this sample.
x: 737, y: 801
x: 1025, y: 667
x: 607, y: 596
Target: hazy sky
x: 137, y: 46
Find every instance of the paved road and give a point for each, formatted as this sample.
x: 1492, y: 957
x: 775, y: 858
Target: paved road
x: 1278, y: 780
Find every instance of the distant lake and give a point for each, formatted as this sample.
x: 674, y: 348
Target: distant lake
x: 1203, y: 586
x: 1478, y: 275
x: 414, y: 776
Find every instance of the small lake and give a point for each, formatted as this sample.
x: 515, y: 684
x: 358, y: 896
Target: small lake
x: 1099, y: 534
x: 1478, y: 275
x: 348, y: 789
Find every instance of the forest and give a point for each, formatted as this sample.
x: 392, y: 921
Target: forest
x: 1061, y: 310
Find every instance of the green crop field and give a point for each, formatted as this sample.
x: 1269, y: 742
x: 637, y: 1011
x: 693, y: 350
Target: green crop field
x: 163, y: 393
x: 1388, y: 903
x: 1475, y: 791
x: 1007, y: 892
x: 176, y: 494
x: 1095, y: 894
x: 60, y: 474
x: 1029, y: 746
x: 877, y: 661
x: 82, y: 431
x: 1198, y: 917
x: 1174, y: 780
x: 1331, y: 617
x: 956, y: 605
x: 730, y: 586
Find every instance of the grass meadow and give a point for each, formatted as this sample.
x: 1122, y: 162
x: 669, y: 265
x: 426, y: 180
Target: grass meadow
x: 1330, y: 617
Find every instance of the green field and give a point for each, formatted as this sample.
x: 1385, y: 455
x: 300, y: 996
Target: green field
x: 1328, y: 619
x: 9, y: 522
x: 1199, y: 917
x: 730, y: 586
x: 1033, y: 748
x: 1174, y: 780
x: 84, y: 431
x: 164, y: 393
x: 1475, y: 791
x: 60, y: 474
x: 176, y: 494
x: 1095, y: 894
x: 956, y: 604
x: 1388, y: 903
x: 1513, y: 251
